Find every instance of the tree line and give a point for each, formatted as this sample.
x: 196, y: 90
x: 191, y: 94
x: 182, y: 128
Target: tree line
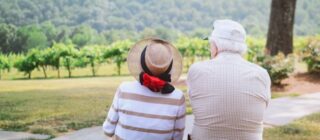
x: 15, y: 39
x: 192, y: 16
x: 68, y: 56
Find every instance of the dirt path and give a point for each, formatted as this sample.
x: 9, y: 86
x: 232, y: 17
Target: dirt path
x: 300, y: 83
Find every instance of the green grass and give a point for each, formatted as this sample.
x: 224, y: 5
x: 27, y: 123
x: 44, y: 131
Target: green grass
x: 307, y: 128
x: 188, y: 105
x: 55, y: 106
x: 280, y: 94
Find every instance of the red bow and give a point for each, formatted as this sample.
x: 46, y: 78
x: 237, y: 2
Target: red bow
x: 153, y: 83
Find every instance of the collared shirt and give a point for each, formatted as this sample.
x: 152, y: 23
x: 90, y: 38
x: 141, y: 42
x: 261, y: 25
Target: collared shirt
x: 228, y: 97
x: 137, y: 113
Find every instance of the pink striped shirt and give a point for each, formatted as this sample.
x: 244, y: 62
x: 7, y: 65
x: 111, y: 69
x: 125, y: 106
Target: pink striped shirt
x: 140, y: 114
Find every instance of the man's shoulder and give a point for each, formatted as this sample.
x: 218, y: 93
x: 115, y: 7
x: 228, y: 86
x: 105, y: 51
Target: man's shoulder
x: 262, y: 72
x: 255, y: 67
x: 199, y: 65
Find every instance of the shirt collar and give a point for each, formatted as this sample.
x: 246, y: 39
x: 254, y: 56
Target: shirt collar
x: 228, y: 54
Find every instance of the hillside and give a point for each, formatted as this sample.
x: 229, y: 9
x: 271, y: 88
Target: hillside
x: 186, y: 16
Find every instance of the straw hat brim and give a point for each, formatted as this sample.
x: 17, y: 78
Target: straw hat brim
x: 134, y: 58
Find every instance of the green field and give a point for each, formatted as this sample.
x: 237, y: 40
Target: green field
x: 57, y: 106
x: 307, y: 128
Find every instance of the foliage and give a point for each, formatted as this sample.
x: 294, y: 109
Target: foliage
x: 7, y: 37
x: 4, y: 64
x: 128, y: 17
x: 118, y: 53
x: 26, y: 63
x: 83, y: 35
x: 191, y: 48
x: 255, y: 50
x: 43, y: 59
x: 30, y: 37
x: 311, y: 55
x: 69, y: 55
x: 279, y: 67
x: 91, y: 55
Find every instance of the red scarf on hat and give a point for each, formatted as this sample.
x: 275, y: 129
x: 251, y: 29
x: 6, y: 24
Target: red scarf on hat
x: 153, y: 83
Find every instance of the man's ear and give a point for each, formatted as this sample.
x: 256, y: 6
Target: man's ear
x: 213, y: 50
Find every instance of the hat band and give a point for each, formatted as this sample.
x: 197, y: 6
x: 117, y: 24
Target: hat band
x: 155, y: 84
x: 164, y: 76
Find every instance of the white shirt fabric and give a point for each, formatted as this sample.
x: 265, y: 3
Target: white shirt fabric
x: 137, y: 113
x: 228, y: 97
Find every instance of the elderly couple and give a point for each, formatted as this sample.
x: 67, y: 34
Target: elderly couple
x: 228, y: 95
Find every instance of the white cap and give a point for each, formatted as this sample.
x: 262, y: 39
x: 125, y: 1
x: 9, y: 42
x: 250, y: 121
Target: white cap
x: 229, y: 35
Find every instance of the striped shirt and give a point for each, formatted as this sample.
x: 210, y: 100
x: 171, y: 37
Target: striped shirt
x: 140, y: 114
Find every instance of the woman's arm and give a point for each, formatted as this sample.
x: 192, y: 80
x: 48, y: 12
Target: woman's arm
x: 180, y: 121
x: 111, y: 121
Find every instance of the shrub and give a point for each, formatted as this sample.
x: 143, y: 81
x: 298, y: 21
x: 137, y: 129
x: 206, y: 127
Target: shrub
x: 4, y: 64
x: 311, y: 55
x: 91, y: 55
x: 256, y: 49
x: 26, y: 63
x: 279, y: 67
x: 118, y: 52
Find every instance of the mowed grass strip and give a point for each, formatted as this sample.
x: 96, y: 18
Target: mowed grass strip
x: 56, y: 106
x: 307, y: 128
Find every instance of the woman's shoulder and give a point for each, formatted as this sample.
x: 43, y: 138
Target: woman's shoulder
x: 136, y: 88
x: 127, y: 86
x: 178, y: 93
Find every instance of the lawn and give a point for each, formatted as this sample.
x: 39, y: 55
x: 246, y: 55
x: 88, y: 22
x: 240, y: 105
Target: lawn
x: 307, y: 128
x: 57, y: 106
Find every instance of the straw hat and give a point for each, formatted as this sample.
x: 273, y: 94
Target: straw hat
x: 159, y: 55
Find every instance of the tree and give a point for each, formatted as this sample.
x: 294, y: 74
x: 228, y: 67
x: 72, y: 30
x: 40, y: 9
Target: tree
x: 135, y: 16
x: 50, y: 32
x: 30, y: 37
x: 280, y: 33
x: 69, y: 56
x: 118, y: 53
x: 65, y: 52
x: 92, y: 55
x: 7, y: 37
x: 4, y: 64
x: 26, y: 64
x: 82, y: 35
x: 190, y: 48
x: 42, y: 59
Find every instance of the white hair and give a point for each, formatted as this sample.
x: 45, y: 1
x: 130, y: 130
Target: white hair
x: 229, y: 36
x: 226, y: 45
